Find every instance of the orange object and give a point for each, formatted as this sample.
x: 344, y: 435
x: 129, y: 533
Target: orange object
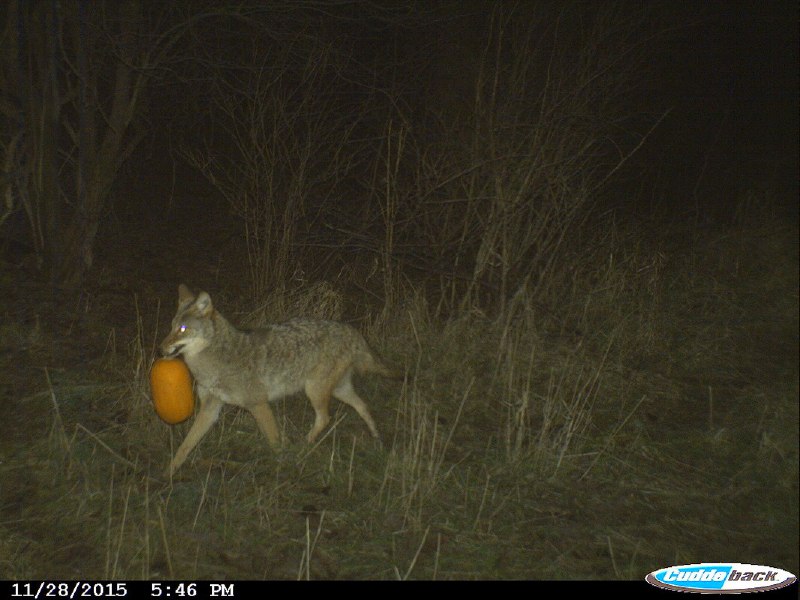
x: 171, y: 388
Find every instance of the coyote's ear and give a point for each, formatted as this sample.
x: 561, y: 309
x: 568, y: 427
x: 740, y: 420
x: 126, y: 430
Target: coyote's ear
x: 185, y: 295
x: 203, y: 304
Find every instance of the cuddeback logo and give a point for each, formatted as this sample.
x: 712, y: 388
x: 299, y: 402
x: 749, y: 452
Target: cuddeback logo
x: 720, y: 578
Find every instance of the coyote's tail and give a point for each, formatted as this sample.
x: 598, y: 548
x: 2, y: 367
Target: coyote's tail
x: 368, y: 362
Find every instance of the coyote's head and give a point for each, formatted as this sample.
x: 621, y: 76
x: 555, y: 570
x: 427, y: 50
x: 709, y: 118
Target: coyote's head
x: 191, y: 325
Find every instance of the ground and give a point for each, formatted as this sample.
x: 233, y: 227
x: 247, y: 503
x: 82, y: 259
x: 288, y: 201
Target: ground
x: 657, y: 425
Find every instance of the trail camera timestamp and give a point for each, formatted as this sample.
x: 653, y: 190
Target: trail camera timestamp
x: 134, y: 589
x: 191, y: 590
x: 68, y: 589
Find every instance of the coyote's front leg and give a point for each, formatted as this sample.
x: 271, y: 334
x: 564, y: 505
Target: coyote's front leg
x: 207, y: 415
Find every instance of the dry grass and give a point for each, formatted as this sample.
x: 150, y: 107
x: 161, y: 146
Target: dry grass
x: 653, y: 422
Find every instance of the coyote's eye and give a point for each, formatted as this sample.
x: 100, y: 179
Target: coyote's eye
x: 183, y: 328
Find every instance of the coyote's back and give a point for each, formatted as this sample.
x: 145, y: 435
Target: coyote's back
x: 252, y: 368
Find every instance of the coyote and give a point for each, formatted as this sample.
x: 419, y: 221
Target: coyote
x: 252, y: 368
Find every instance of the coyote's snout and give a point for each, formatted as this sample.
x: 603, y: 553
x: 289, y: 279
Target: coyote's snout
x: 252, y: 368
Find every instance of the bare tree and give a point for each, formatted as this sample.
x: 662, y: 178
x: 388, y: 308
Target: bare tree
x: 74, y: 76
